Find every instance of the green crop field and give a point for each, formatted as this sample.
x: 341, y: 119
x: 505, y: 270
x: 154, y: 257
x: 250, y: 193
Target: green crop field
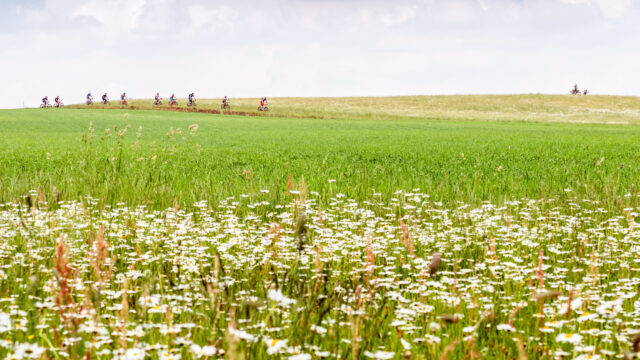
x: 457, y: 227
x: 152, y: 157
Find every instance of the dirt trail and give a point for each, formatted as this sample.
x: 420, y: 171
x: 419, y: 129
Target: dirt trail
x: 198, y: 110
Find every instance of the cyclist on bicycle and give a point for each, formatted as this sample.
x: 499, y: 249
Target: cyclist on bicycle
x: 158, y: 98
x: 105, y: 98
x: 172, y: 100
x: 89, y: 99
x: 192, y: 99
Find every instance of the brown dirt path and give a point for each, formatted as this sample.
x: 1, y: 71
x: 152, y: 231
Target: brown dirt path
x: 196, y: 110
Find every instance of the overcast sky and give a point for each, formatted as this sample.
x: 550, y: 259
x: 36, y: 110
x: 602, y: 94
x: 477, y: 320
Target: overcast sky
x: 315, y: 47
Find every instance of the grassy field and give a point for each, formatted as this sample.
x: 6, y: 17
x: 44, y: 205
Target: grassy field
x: 412, y: 230
x: 532, y: 108
x: 157, y: 159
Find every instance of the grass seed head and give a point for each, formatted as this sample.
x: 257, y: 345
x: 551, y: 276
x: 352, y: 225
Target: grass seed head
x: 434, y: 265
x: 635, y: 343
x: 450, y: 319
x: 542, y: 296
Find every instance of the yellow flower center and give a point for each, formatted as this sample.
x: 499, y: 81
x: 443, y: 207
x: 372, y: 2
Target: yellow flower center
x: 274, y: 342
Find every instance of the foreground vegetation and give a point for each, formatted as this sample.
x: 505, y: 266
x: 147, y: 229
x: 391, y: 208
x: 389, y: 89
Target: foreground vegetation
x: 305, y: 281
x: 142, y: 234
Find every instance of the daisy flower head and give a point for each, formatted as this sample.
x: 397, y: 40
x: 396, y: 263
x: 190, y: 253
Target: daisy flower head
x: 570, y: 338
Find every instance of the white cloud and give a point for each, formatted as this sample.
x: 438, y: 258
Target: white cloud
x: 388, y: 16
x: 115, y: 15
x: 219, y: 17
x: 398, y: 15
x: 609, y: 8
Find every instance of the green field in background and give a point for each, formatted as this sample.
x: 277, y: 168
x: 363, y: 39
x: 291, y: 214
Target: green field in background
x: 158, y: 159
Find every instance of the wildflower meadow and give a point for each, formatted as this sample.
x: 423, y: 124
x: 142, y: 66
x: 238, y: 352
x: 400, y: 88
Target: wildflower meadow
x: 133, y: 234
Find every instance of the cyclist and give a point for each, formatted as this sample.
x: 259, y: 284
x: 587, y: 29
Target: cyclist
x: 263, y: 102
x: 89, y: 99
x: 123, y: 99
x: 105, y: 98
x: 192, y: 99
x: 45, y: 101
x: 225, y: 100
x: 158, y: 98
x: 58, y: 101
x: 172, y: 100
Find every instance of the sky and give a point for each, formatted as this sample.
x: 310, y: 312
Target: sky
x: 315, y: 48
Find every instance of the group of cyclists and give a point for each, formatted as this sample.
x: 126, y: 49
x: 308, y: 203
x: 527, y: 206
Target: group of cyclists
x: 57, y: 102
x: 173, y: 101
x: 105, y: 99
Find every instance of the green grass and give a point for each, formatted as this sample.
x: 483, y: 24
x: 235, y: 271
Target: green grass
x: 318, y: 235
x: 452, y: 161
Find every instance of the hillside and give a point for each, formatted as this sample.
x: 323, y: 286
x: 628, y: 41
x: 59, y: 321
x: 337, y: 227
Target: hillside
x: 535, y: 108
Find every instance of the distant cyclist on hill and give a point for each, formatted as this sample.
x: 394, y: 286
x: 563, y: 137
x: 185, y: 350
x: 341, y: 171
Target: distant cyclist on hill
x: 123, y: 99
x: 58, y: 101
x: 45, y: 102
x: 263, y: 104
x: 158, y: 100
x: 172, y: 100
x: 89, y: 99
x: 105, y: 98
x: 192, y: 99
